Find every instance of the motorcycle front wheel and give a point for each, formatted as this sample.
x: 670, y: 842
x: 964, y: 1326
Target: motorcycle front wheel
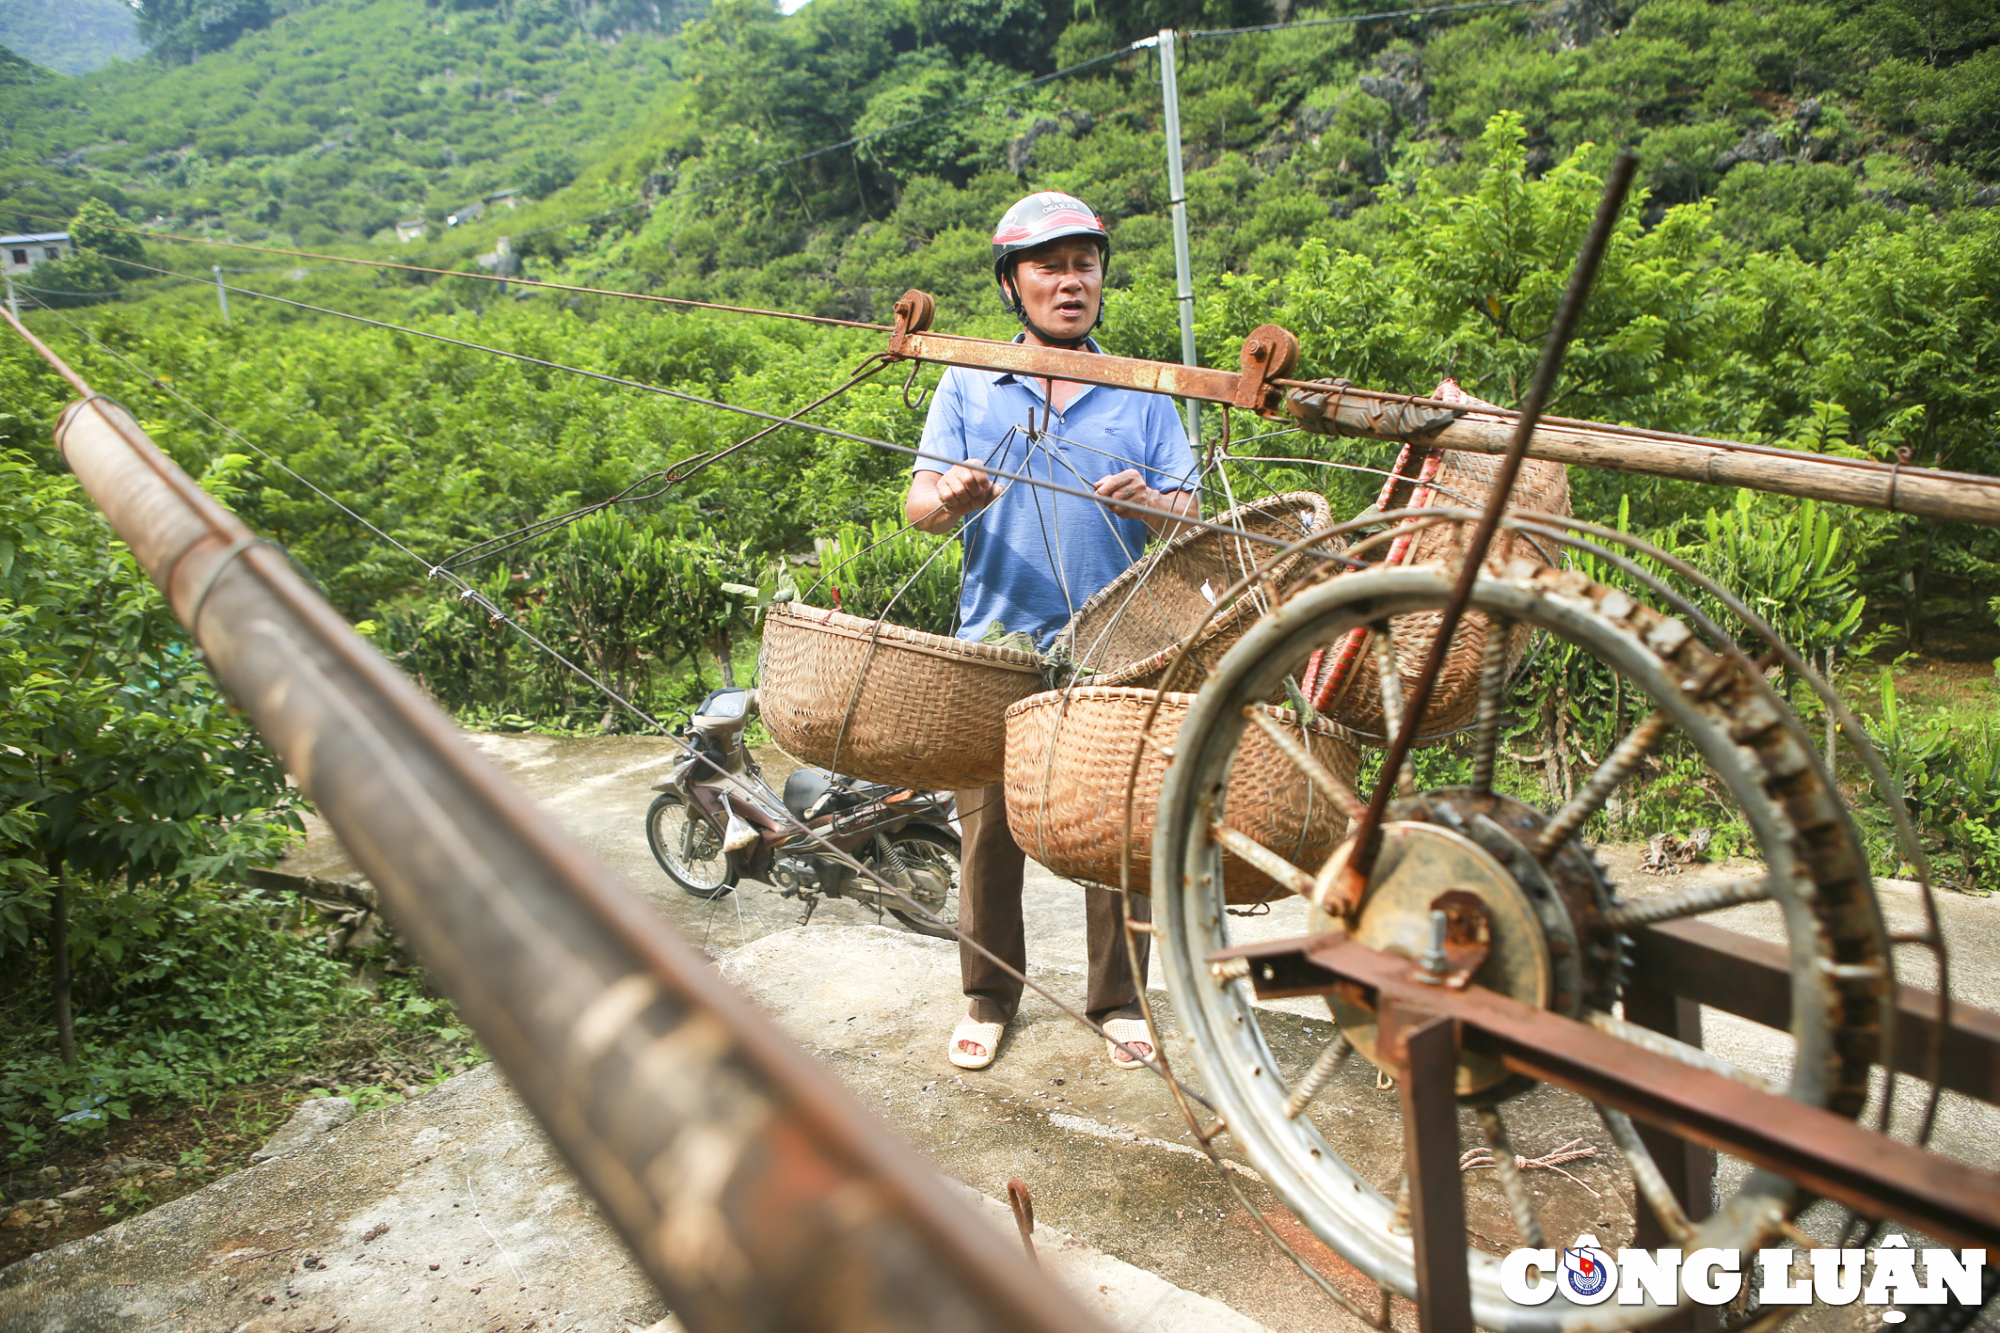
x: 688, y: 848
x: 929, y: 874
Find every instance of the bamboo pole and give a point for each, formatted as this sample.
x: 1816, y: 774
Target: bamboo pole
x: 1924, y: 492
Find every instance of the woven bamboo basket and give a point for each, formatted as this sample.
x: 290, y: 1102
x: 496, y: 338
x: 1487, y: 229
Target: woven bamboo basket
x: 1463, y: 480
x: 887, y: 704
x: 1129, y: 631
x: 1069, y: 755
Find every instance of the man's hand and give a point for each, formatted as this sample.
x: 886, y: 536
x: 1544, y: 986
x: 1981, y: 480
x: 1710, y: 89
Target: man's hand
x: 937, y: 501
x: 1130, y: 487
x: 964, y: 489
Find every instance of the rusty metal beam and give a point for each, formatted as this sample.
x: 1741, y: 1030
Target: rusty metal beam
x: 1826, y: 1154
x: 753, y: 1189
x: 1332, y: 407
x: 1429, y: 1050
x: 1688, y: 1168
x: 1752, y: 979
x: 1121, y: 372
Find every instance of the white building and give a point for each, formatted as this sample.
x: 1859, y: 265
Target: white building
x: 19, y: 254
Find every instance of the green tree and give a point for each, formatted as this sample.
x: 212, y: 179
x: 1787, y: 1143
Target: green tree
x: 125, y: 777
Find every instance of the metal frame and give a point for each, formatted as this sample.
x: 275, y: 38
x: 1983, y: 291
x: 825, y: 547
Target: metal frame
x: 747, y: 1182
x: 1335, y: 407
x: 1699, y: 1111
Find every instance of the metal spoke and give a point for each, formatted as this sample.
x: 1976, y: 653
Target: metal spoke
x: 1519, y: 1198
x: 1262, y: 857
x: 1661, y: 1044
x: 1399, y: 1222
x: 1390, y: 680
x: 1492, y: 684
x: 1614, y: 770
x: 1324, y: 778
x: 1688, y: 902
x: 1318, y: 1076
x: 1652, y: 1186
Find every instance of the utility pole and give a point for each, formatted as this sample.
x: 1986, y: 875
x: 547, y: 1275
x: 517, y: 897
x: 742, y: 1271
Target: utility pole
x: 1170, y: 95
x: 221, y: 292
x: 13, y: 301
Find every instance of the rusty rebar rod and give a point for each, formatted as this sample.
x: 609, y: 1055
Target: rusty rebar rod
x: 1367, y: 835
x: 756, y: 1193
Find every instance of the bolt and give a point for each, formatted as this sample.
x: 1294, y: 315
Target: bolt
x: 1433, y: 960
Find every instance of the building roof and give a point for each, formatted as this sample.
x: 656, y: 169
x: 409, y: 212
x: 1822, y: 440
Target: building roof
x: 33, y: 237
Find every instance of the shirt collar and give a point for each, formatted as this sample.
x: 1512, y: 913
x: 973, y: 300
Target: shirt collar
x: 1008, y: 376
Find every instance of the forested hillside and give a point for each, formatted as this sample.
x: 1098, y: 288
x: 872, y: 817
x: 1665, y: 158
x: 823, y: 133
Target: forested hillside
x: 73, y: 36
x: 339, y: 118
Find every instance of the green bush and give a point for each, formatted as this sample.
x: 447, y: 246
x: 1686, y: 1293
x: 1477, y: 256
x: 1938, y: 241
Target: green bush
x: 1946, y: 769
x: 207, y: 993
x: 884, y: 571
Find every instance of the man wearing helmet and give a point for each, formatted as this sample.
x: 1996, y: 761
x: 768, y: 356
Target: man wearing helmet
x: 1033, y: 555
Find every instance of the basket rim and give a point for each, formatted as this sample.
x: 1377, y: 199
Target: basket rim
x: 902, y: 636
x: 1145, y: 564
x: 1322, y: 726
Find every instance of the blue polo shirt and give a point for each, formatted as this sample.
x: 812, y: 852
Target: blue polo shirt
x: 1034, y: 555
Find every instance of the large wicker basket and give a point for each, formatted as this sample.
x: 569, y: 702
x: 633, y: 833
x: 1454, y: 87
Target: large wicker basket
x: 888, y: 704
x: 1129, y: 631
x: 1460, y: 480
x: 1069, y: 755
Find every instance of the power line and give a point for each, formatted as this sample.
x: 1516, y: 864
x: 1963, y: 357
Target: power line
x: 818, y: 836
x: 853, y: 141
x: 477, y: 277
x: 1181, y: 519
x: 1356, y: 18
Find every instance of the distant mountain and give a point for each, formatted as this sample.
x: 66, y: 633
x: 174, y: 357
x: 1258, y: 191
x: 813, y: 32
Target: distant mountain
x: 340, y: 118
x: 73, y: 36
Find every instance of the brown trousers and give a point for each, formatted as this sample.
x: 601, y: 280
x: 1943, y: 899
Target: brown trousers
x: 989, y: 910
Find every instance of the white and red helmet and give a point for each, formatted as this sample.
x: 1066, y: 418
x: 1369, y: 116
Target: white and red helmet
x: 1041, y: 218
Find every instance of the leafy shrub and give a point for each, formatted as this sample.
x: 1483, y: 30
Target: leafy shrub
x: 199, y: 995
x: 1946, y: 768
x: 904, y: 576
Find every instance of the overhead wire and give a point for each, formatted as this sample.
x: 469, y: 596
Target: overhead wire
x: 669, y: 477
x: 1346, y: 19
x: 698, y: 400
x: 469, y: 593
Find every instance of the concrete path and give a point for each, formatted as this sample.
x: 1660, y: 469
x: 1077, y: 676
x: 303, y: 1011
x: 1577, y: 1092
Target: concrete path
x: 1105, y: 1153
x: 449, y: 1212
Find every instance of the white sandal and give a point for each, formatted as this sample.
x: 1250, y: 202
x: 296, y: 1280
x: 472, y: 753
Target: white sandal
x: 986, y: 1036
x: 1131, y: 1032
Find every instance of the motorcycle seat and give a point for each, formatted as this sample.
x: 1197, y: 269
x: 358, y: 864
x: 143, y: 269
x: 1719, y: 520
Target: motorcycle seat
x: 811, y: 792
x: 805, y: 791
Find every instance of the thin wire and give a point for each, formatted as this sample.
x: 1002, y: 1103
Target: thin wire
x: 672, y: 476
x: 1354, y: 18
x: 484, y: 277
x: 854, y: 141
x: 599, y: 375
x: 468, y: 592
x: 233, y: 434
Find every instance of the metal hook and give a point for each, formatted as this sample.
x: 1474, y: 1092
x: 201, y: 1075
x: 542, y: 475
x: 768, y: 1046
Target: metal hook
x: 1903, y: 455
x: 915, y: 366
x: 1024, y: 1215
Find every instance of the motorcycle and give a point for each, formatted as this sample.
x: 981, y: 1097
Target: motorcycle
x: 707, y: 833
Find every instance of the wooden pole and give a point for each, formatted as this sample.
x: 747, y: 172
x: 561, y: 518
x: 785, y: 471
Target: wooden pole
x: 1955, y: 496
